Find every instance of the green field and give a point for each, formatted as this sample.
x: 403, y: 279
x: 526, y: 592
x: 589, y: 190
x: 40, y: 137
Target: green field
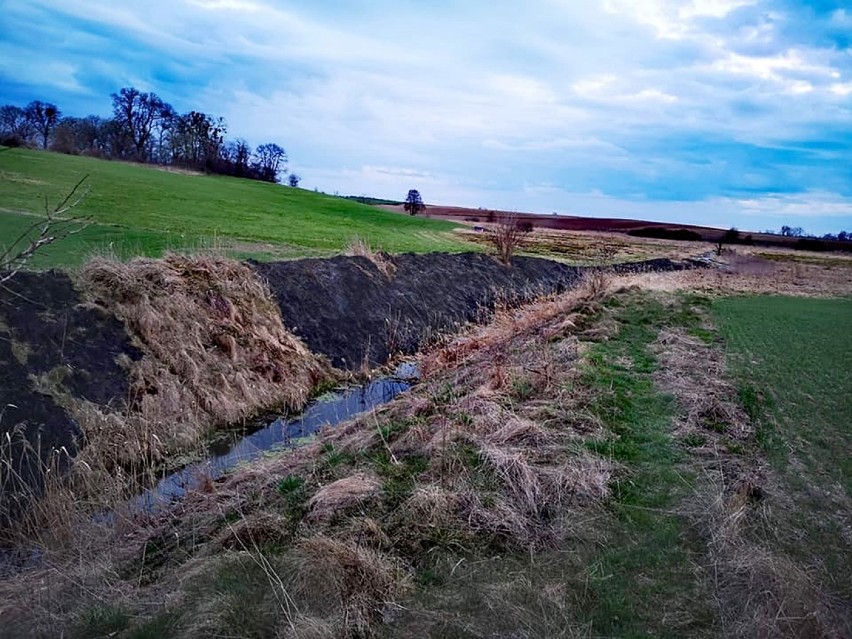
x: 793, y: 357
x: 139, y: 210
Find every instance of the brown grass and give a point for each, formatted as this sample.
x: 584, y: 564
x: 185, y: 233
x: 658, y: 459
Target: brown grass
x: 342, y: 495
x: 750, y: 271
x: 214, y: 352
x: 358, y: 581
x: 359, y: 247
x: 485, y: 455
x: 757, y: 592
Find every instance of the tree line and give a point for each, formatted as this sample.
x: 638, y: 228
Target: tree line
x: 144, y: 128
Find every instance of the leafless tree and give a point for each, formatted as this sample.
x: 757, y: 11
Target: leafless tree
x: 55, y: 225
x: 138, y: 113
x: 506, y: 236
x: 43, y: 117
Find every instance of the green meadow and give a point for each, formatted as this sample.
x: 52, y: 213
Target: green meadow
x: 144, y: 210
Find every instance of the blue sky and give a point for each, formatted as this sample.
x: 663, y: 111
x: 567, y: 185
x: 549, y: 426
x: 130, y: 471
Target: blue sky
x: 719, y: 112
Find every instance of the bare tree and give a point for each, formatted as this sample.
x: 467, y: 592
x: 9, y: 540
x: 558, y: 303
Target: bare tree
x: 43, y: 117
x: 506, y: 236
x: 270, y: 159
x: 294, y: 180
x: 14, y: 125
x: 55, y: 225
x: 240, y: 156
x: 138, y: 113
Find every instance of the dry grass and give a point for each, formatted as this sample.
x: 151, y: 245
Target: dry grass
x: 696, y: 374
x: 358, y: 581
x: 593, y: 247
x: 757, y: 592
x: 485, y: 455
x: 359, y: 247
x: 752, y: 271
x: 214, y: 352
x: 342, y: 495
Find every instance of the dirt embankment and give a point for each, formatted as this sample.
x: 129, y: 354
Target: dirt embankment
x: 140, y: 360
x: 48, y: 338
x: 353, y: 309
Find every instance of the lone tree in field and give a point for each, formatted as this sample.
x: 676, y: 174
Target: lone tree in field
x: 294, y: 180
x: 414, y: 203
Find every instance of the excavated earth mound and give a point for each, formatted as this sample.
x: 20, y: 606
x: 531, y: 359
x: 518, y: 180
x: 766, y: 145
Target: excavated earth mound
x: 350, y: 309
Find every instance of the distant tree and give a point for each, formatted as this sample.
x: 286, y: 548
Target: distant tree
x: 164, y: 128
x: 42, y: 117
x: 14, y: 126
x: 138, y: 113
x: 197, y: 140
x: 844, y: 236
x: 241, y: 157
x: 65, y: 138
x: 413, y: 203
x: 792, y: 231
x: 294, y: 180
x: 270, y: 160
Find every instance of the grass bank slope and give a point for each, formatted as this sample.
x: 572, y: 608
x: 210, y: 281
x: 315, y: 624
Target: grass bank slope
x: 142, y: 210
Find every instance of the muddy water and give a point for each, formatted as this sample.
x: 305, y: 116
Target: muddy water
x: 281, y: 433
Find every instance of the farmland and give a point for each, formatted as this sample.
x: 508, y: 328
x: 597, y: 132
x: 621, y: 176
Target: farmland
x: 142, y: 210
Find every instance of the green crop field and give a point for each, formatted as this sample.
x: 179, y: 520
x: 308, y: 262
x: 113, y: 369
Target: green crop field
x: 793, y: 357
x: 144, y: 210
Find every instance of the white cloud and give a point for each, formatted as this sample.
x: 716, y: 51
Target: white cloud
x: 671, y: 19
x: 775, y: 67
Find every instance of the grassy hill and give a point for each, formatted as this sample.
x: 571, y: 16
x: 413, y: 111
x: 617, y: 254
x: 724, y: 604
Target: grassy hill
x: 142, y: 210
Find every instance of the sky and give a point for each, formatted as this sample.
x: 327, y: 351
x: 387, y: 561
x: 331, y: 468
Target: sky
x: 716, y: 112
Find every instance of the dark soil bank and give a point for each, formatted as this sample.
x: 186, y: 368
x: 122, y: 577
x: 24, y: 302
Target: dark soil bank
x: 48, y: 340
x: 348, y: 310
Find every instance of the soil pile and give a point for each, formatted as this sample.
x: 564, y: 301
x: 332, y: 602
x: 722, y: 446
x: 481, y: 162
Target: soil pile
x: 47, y: 337
x: 354, y: 309
x: 348, y: 309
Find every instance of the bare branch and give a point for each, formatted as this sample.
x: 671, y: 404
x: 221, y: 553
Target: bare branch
x: 507, y: 235
x: 42, y: 232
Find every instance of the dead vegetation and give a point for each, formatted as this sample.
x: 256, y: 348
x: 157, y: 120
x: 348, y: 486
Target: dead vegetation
x: 463, y: 463
x: 214, y: 352
x: 359, y: 247
x: 758, y: 592
x: 760, y: 271
x: 485, y: 462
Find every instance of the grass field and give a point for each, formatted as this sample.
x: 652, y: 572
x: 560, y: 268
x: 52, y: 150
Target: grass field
x: 793, y: 357
x: 144, y: 210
